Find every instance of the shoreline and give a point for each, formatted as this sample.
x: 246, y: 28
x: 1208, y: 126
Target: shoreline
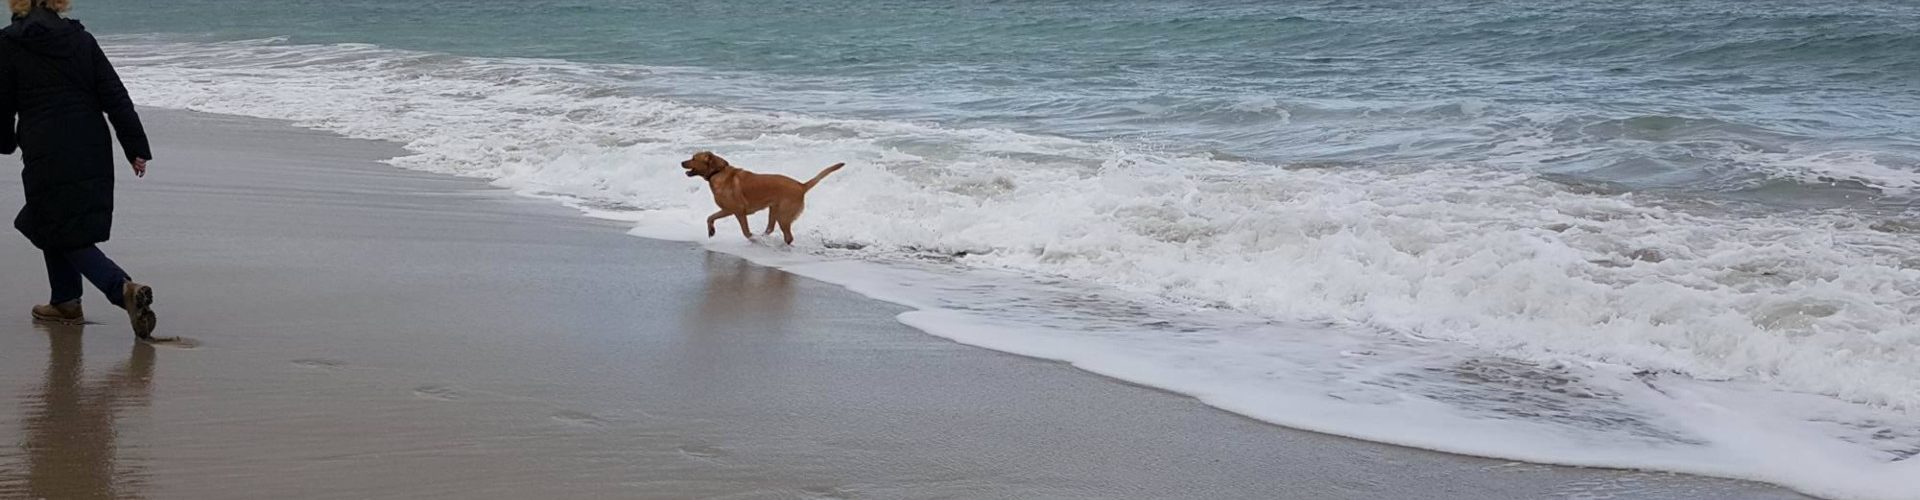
x: 390, y: 333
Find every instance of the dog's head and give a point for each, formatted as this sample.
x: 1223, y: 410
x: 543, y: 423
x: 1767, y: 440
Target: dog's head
x: 705, y: 165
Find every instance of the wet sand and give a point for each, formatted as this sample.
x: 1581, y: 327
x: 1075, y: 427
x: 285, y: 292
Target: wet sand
x: 367, y: 332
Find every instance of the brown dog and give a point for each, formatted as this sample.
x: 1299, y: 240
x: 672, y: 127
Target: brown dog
x: 740, y: 193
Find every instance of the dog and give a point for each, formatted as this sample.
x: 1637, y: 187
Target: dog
x: 740, y: 193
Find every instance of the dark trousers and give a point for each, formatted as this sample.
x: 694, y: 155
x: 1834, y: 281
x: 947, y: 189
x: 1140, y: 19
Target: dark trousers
x: 64, y: 270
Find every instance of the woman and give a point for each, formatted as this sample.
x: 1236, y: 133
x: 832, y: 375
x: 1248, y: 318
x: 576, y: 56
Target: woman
x: 54, y: 76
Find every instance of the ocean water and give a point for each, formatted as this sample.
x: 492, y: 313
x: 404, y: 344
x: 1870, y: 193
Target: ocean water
x: 1677, y: 236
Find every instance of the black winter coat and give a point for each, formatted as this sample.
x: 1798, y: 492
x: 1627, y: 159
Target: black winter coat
x: 54, y: 76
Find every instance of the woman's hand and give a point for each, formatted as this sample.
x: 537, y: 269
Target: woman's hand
x: 139, y: 167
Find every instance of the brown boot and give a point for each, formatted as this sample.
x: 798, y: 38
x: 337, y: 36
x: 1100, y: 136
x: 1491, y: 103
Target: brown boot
x: 62, y: 314
x: 138, y: 299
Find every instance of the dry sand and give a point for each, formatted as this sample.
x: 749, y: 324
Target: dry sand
x: 367, y: 332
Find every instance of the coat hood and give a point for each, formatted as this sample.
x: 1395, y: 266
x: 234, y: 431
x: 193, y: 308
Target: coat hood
x: 46, y: 33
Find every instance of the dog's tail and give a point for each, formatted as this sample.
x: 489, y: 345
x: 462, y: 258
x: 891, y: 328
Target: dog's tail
x: 823, y: 175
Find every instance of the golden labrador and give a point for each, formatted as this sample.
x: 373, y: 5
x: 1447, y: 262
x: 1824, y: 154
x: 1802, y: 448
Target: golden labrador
x: 740, y: 193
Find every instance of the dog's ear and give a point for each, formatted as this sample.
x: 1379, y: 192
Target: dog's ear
x: 716, y: 161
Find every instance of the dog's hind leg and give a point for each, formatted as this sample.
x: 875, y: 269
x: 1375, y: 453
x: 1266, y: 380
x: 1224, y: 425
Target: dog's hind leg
x: 777, y: 212
x: 716, y: 216
x: 786, y: 218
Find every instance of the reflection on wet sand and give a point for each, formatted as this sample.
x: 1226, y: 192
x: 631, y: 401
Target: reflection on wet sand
x: 69, y: 425
x: 740, y: 294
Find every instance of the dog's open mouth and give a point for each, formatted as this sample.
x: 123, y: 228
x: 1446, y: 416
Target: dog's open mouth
x: 691, y: 173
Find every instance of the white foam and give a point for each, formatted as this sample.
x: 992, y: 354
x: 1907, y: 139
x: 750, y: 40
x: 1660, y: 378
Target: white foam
x: 1445, y: 292
x: 1862, y: 167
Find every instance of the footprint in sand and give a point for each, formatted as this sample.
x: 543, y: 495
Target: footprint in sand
x: 833, y: 492
x: 578, y: 419
x: 320, y: 364
x: 704, y: 453
x: 437, y: 393
x: 173, y: 342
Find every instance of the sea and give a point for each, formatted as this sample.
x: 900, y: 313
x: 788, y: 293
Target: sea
x: 1671, y: 235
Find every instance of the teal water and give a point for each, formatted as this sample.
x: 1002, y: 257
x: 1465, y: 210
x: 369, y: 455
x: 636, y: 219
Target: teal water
x: 1798, y: 103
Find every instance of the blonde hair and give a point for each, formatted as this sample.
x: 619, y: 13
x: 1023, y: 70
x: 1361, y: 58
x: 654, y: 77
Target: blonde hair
x: 21, y: 7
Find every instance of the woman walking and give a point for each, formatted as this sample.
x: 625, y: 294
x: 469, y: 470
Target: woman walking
x: 54, y: 76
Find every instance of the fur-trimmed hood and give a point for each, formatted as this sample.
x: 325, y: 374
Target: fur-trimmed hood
x: 46, y: 33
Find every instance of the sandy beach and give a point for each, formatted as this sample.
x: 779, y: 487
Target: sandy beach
x: 361, y: 331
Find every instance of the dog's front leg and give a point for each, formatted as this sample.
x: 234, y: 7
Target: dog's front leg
x: 744, y: 231
x: 716, y: 216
